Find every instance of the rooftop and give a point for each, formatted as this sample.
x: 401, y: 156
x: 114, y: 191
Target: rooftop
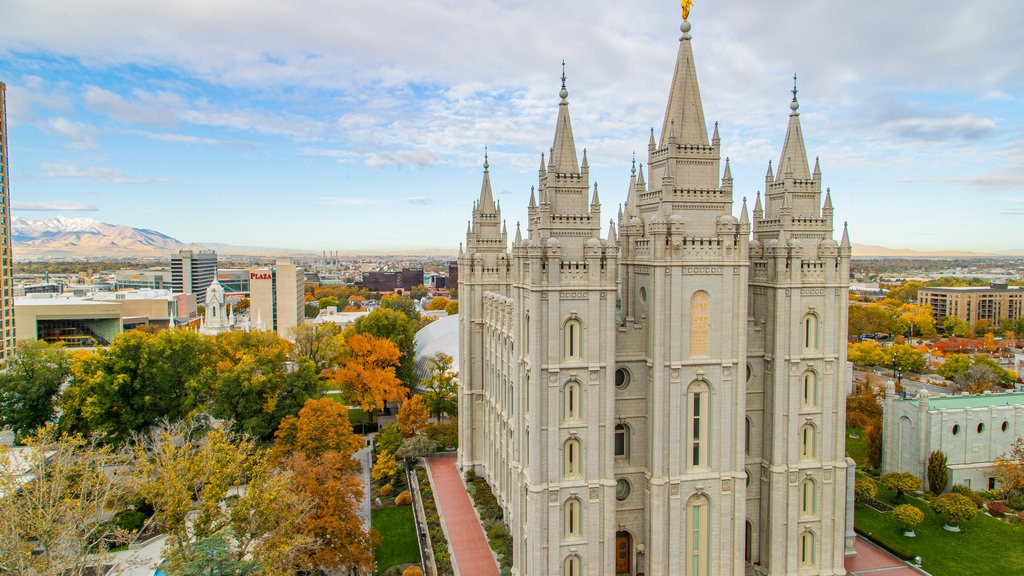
x: 974, y: 401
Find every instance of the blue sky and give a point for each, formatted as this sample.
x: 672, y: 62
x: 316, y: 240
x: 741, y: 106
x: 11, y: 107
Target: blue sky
x: 352, y: 126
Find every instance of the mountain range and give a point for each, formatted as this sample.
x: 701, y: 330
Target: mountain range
x: 79, y: 237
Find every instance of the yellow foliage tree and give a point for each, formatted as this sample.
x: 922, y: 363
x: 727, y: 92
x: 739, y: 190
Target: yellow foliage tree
x: 437, y: 303
x: 367, y: 373
x: 413, y: 416
x: 1009, y: 468
x: 322, y: 426
x: 386, y: 467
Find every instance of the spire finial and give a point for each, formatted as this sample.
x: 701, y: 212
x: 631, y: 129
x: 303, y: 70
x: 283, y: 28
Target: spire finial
x: 633, y: 170
x: 563, y: 92
x: 794, y: 104
x: 486, y: 163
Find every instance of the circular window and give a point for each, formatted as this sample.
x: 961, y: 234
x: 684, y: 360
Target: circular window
x: 1004, y: 426
x: 621, y: 378
x: 622, y: 489
x: 643, y: 294
x: 981, y: 427
x: 956, y: 429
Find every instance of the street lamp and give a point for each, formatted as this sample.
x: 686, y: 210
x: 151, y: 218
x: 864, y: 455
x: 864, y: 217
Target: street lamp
x: 896, y: 374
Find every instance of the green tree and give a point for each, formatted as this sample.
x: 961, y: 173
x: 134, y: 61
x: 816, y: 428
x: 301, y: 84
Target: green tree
x: 328, y: 301
x: 865, y: 488
x: 388, y: 440
x: 441, y: 386
x: 396, y: 326
x: 322, y: 343
x: 873, y: 440
x: 403, y: 304
x: 954, y: 365
x: 957, y: 508
x: 955, y: 326
x: 418, y: 292
x: 901, y: 483
x: 938, y: 472
x: 141, y: 378
x: 28, y: 388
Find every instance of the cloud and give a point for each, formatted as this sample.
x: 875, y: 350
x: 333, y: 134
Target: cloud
x: 1013, y: 212
x: 54, y: 205
x: 419, y: 200
x: 413, y: 158
x: 187, y: 139
x: 145, y: 108
x: 100, y: 175
x: 942, y: 129
x: 80, y: 134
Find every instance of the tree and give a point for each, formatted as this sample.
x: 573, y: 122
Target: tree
x: 867, y: 353
x: 446, y: 434
x: 418, y: 292
x: 396, y: 326
x: 321, y: 343
x: 873, y: 440
x: 862, y: 407
x: 906, y: 358
x: 954, y: 365
x: 938, y: 473
x: 906, y: 292
x: 437, y: 303
x: 901, y: 483
x: 1009, y: 468
x: 955, y: 326
x: 388, y: 440
x: 452, y: 308
x: 403, y: 304
x: 957, y: 508
x: 367, y: 374
x: 321, y: 426
x: 976, y: 379
x: 140, y: 379
x: 417, y: 447
x: 413, y: 416
x: 385, y: 468
x: 55, y: 490
x: 865, y: 488
x: 441, y: 386
x: 342, y: 546
x: 907, y: 516
x: 28, y: 388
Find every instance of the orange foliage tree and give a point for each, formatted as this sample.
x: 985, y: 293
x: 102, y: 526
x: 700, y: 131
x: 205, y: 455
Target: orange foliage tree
x: 367, y: 373
x: 413, y: 416
x: 322, y: 426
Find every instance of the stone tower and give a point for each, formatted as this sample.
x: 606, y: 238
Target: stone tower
x: 666, y: 398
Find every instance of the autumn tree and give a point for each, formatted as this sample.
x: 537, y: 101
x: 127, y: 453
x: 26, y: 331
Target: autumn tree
x: 953, y: 365
x: 907, y: 516
x: 385, y: 468
x: 138, y: 380
x: 321, y: 343
x: 403, y: 304
x: 901, y: 483
x: 55, y: 490
x: 441, y: 386
x: 388, y: 440
x: 863, y: 408
x: 367, y: 373
x: 413, y: 416
x: 452, y: 308
x: 938, y: 472
x: 28, y: 387
x: 955, y: 326
x: 395, y: 325
x: 322, y: 426
x: 865, y: 488
x: 418, y: 291
x: 867, y: 353
x: 957, y: 508
x: 906, y: 358
x: 1009, y: 468
x: 437, y: 303
x: 873, y: 441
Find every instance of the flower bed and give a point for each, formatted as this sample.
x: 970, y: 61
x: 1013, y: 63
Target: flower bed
x: 442, y: 555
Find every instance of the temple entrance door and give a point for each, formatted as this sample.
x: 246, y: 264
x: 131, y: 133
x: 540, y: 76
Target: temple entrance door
x: 623, y: 552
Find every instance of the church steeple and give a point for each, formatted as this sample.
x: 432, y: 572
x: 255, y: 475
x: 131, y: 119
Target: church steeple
x: 793, y: 163
x: 486, y: 202
x: 684, y: 114
x: 563, y: 151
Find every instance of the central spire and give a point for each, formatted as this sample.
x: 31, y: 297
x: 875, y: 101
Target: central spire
x: 563, y: 150
x: 793, y: 163
x: 684, y: 115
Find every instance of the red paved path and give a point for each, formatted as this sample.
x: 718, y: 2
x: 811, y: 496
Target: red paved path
x: 470, y: 552
x: 873, y: 560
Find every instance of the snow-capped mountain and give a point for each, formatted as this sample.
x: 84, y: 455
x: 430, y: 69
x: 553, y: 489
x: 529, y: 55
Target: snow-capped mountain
x: 62, y: 236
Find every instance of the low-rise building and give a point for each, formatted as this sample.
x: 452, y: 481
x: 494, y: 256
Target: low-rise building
x: 972, y: 304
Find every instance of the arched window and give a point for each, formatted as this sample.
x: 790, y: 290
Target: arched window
x: 699, y: 406
x: 746, y: 436
x: 808, y: 448
x: 572, y: 566
x: 807, y: 549
x: 573, y: 330
x: 526, y: 335
x: 571, y: 519
x: 573, y: 453
x: 807, y: 498
x: 572, y: 400
x: 698, y: 531
x: 810, y: 332
x: 700, y: 323
x: 622, y: 438
x: 809, y: 398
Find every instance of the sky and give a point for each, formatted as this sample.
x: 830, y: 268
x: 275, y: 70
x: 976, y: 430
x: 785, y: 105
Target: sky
x: 361, y: 126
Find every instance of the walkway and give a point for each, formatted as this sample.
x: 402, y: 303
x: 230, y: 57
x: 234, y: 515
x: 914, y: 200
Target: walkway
x: 471, y: 556
x: 873, y: 560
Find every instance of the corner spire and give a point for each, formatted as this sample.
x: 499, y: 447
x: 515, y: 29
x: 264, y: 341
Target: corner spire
x: 684, y: 107
x: 744, y: 217
x: 486, y: 202
x: 793, y: 163
x: 563, y: 150
x: 846, y: 237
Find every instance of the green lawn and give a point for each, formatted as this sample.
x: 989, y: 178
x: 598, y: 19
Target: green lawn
x: 856, y: 448
x: 398, y: 541
x: 984, y: 545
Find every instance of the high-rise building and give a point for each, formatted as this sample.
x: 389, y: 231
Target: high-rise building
x: 277, y: 298
x: 667, y: 398
x: 6, y: 258
x: 192, y: 272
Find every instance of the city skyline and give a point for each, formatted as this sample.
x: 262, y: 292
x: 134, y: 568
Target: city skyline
x: 305, y: 125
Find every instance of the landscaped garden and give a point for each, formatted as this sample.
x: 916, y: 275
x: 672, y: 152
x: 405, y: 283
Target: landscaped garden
x: 392, y: 517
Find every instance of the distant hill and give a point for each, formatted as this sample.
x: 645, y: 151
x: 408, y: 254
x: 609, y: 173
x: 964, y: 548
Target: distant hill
x: 868, y: 251
x: 78, y: 237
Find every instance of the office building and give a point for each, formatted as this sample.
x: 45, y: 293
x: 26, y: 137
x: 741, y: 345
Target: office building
x: 192, y: 271
x: 277, y: 298
x: 971, y: 304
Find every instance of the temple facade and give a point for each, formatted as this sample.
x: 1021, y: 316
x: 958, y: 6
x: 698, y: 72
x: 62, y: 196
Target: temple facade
x: 664, y: 394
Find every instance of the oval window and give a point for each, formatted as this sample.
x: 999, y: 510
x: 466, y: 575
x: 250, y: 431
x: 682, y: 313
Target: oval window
x: 622, y: 489
x: 621, y: 378
x: 956, y: 429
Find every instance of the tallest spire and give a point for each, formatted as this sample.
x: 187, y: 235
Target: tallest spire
x: 793, y: 163
x: 563, y: 150
x: 684, y: 109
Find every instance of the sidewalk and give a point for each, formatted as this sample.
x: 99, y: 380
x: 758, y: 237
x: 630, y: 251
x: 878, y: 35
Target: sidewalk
x: 471, y: 556
x: 873, y: 560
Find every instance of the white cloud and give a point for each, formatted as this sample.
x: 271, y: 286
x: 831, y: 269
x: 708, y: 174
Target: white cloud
x: 101, y: 175
x: 80, y: 134
x: 419, y: 200
x: 54, y: 205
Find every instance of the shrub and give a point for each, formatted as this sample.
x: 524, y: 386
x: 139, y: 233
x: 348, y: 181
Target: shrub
x: 444, y: 433
x: 386, y: 490
x: 971, y: 494
x: 996, y: 509
x: 403, y: 499
x: 993, y: 495
x: 938, y: 473
x: 1016, y: 502
x: 901, y: 483
x: 957, y: 508
x: 412, y: 571
x: 873, y: 441
x: 865, y: 488
x: 907, y: 516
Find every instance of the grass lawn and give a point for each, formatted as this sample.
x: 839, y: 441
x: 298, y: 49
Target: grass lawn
x: 984, y: 545
x: 857, y: 448
x: 398, y: 541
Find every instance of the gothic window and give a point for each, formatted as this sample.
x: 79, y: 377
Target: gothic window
x: 698, y: 532
x: 622, y: 438
x: 746, y: 437
x: 810, y: 390
x: 810, y: 332
x: 571, y: 521
x: 700, y: 411
x: 807, y: 497
x: 699, y: 323
x: 573, y: 454
x: 526, y: 335
x: 573, y: 566
x: 573, y: 339
x: 572, y: 400
x: 808, y: 448
x: 807, y: 548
